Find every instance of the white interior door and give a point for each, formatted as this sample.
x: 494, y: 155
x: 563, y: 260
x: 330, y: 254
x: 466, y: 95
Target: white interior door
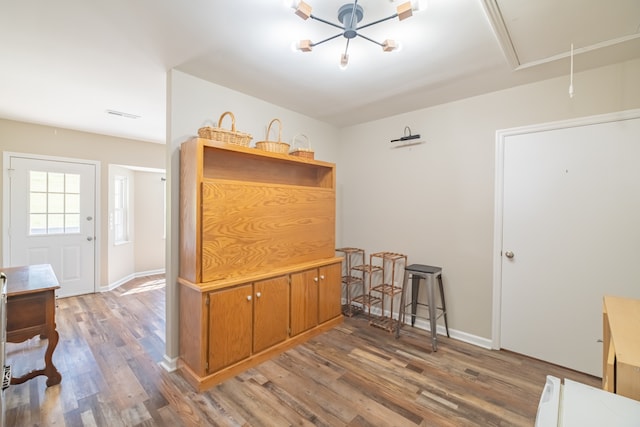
x: 52, y: 219
x: 571, y: 222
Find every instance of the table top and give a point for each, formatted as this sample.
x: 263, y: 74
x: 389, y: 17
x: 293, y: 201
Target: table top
x: 30, y: 279
x: 624, y: 322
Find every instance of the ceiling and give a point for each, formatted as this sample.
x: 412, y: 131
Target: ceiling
x: 65, y: 63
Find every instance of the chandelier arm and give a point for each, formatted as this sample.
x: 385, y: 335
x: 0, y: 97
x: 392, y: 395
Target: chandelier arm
x: 395, y: 15
x: 326, y: 40
x: 326, y: 22
x: 371, y: 40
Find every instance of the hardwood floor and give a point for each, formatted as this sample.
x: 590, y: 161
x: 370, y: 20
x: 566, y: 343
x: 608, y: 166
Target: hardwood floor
x: 354, y: 375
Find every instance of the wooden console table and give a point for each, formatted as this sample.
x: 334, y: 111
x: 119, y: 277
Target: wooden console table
x: 31, y: 311
x: 621, y: 355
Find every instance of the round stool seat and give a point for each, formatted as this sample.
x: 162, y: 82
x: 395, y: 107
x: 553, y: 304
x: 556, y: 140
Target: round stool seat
x: 421, y: 268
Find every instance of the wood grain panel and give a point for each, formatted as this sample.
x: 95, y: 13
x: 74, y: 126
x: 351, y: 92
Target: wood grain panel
x: 230, y: 326
x: 330, y: 292
x: 193, y: 334
x: 304, y: 301
x: 270, y: 312
x: 190, y: 178
x: 249, y: 227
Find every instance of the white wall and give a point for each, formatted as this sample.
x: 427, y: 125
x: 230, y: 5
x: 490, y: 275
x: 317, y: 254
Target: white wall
x: 194, y: 103
x: 435, y: 201
x: 149, y: 251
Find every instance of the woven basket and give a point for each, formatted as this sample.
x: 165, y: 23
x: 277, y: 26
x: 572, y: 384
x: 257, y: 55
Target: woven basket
x: 307, y: 152
x: 273, y: 146
x: 224, y: 135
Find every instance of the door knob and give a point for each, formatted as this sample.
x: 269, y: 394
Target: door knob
x: 508, y: 254
x: 89, y: 238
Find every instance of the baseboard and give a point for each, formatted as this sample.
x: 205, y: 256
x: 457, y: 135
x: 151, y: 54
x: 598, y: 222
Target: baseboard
x: 122, y: 281
x: 423, y: 324
x: 170, y: 364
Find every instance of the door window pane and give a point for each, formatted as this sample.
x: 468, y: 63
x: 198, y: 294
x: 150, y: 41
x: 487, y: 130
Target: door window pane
x: 72, y: 184
x: 54, y: 203
x: 38, y: 181
x: 72, y: 203
x: 38, y: 202
x: 38, y: 224
x: 55, y: 223
x: 55, y: 182
x: 72, y: 223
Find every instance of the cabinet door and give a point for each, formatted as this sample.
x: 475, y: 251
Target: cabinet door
x: 304, y: 301
x: 270, y: 312
x: 230, y: 331
x: 329, y: 292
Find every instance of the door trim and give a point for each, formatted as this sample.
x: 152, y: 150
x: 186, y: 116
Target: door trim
x: 7, y: 155
x: 501, y: 136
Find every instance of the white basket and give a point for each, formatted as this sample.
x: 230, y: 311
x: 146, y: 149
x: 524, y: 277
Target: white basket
x: 300, y: 151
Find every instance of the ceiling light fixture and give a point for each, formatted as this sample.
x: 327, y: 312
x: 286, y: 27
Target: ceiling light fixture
x: 349, y: 16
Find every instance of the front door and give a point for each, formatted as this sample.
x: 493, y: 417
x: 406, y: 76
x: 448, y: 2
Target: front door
x: 52, y: 219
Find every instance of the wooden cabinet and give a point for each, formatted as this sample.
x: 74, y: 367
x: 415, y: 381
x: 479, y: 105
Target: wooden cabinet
x: 621, y: 346
x: 270, y: 312
x: 246, y: 319
x: 329, y: 292
x: 256, y: 231
x: 315, y: 297
x: 304, y: 301
x: 230, y: 330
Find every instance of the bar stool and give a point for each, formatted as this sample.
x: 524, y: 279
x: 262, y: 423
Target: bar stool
x: 429, y: 274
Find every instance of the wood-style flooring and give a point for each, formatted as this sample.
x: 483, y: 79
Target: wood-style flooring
x: 354, y: 375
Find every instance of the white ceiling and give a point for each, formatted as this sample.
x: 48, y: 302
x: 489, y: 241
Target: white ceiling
x: 64, y: 63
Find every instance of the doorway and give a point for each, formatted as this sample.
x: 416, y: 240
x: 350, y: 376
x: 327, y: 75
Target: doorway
x: 50, y: 218
x: 566, y: 234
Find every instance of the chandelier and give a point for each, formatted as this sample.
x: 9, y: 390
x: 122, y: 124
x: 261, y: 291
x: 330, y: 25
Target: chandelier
x: 349, y: 16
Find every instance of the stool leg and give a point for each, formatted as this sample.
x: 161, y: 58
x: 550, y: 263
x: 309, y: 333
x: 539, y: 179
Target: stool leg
x: 432, y: 312
x: 403, y: 304
x: 444, y: 305
x: 415, y: 287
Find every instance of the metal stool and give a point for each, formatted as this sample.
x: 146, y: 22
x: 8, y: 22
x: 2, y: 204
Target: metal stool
x: 429, y: 274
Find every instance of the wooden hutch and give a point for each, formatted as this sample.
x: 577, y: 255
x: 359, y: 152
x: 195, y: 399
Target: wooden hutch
x: 258, y: 271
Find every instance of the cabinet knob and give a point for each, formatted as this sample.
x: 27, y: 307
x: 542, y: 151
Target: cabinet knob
x: 315, y: 279
x: 322, y: 277
x: 248, y: 297
x: 258, y: 294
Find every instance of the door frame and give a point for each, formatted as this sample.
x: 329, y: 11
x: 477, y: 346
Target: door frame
x: 501, y: 136
x: 6, y: 202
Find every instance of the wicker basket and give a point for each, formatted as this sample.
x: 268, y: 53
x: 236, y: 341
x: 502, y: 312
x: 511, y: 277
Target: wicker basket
x: 307, y: 152
x: 273, y: 146
x: 223, y: 135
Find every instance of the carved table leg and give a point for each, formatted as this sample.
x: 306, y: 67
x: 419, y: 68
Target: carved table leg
x: 53, y: 376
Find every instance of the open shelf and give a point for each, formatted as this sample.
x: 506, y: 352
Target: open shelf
x: 236, y: 163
